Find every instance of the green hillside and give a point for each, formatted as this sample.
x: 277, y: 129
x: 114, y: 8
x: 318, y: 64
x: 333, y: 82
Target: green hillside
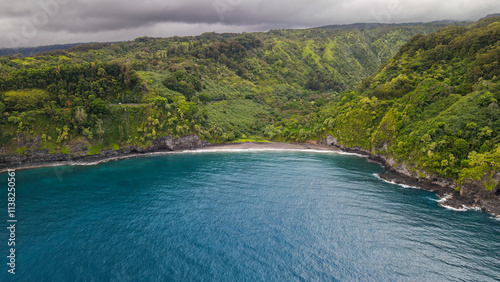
x: 219, y: 86
x: 425, y: 100
x: 432, y: 109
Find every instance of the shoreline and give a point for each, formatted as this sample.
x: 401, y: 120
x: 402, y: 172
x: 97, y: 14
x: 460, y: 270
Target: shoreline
x: 247, y: 146
x: 447, y: 195
x: 450, y: 198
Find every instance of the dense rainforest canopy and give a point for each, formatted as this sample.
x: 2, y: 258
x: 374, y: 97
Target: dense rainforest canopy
x: 433, y: 108
x: 403, y: 91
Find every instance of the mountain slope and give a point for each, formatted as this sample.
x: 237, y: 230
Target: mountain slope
x: 218, y: 86
x: 431, y: 111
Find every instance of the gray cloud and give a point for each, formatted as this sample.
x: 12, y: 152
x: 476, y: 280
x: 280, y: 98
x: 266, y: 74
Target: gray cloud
x: 40, y: 22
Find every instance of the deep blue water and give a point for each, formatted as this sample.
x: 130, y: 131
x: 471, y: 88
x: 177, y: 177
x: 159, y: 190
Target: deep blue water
x: 251, y: 216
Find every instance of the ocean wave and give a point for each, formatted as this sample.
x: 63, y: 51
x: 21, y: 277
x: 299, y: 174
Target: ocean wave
x: 446, y: 197
x: 443, y: 199
x: 462, y: 209
x: 209, y: 150
x: 394, y: 183
x: 273, y: 150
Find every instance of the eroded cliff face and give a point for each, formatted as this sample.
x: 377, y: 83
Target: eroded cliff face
x: 471, y: 194
x: 332, y: 141
x: 390, y: 163
x: 37, y: 156
x: 475, y: 195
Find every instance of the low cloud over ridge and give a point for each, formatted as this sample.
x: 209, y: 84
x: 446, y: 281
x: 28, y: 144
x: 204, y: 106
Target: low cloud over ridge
x: 43, y: 22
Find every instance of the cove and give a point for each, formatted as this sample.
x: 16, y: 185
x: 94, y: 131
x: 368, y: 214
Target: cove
x: 240, y: 216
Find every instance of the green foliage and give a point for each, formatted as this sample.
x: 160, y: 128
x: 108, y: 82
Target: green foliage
x: 80, y: 116
x: 487, y: 99
x: 21, y: 151
x: 324, y: 81
x: 482, y: 167
x: 94, y: 150
x: 432, y: 107
x: 229, y: 120
x: 25, y: 99
x: 426, y: 107
x: 183, y: 82
x: 99, y: 107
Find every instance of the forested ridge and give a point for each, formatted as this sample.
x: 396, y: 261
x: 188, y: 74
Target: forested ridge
x: 219, y: 86
x: 433, y: 108
x: 424, y: 99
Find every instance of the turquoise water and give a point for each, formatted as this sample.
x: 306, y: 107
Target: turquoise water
x: 248, y: 216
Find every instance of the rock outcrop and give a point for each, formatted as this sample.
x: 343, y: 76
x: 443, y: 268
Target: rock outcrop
x: 37, y: 157
x: 470, y: 195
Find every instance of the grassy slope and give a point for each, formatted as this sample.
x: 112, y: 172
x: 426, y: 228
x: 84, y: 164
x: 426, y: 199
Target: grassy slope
x: 247, y: 82
x: 431, y: 107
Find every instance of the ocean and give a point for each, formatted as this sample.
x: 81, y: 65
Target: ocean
x: 239, y: 216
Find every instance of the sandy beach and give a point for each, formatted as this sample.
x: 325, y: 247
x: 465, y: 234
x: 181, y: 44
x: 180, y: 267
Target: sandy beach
x: 452, y: 197
x: 257, y: 146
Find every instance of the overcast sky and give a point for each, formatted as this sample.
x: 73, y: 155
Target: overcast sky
x: 44, y: 22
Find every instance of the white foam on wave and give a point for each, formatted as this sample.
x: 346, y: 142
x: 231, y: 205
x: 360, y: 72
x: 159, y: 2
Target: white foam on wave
x: 84, y: 163
x: 446, y: 197
x: 443, y: 199
x: 55, y: 165
x: 462, y: 209
x: 394, y: 183
x: 230, y: 150
x: 209, y: 150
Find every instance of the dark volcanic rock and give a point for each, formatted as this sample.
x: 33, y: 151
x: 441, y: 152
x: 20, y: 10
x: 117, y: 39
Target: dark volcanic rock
x: 471, y: 194
x: 37, y: 157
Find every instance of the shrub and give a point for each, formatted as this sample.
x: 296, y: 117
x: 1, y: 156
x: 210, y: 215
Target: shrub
x: 26, y: 99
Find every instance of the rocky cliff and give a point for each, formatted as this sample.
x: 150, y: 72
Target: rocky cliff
x: 35, y: 156
x: 471, y: 194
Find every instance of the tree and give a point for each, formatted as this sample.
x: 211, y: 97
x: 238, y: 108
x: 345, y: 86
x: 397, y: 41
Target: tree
x: 80, y: 115
x: 171, y: 83
x: 99, y: 129
x: 99, y: 107
x: 204, y: 97
x: 461, y: 147
x: 183, y: 82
